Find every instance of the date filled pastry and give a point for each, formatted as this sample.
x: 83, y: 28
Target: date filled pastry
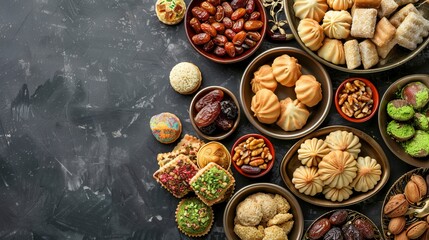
x: 312, y: 151
x: 338, y: 169
x: 336, y: 24
x: 306, y: 180
x: 340, y: 4
x: 314, y: 9
x: 369, y: 172
x: 344, y: 141
x: 337, y: 194
x: 308, y: 90
x: 293, y: 115
x: 311, y: 33
x: 286, y: 70
x: 265, y: 106
x: 263, y: 78
x: 332, y: 51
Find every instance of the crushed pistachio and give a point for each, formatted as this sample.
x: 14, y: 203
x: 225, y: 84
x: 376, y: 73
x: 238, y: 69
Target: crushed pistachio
x: 212, y: 183
x: 193, y: 216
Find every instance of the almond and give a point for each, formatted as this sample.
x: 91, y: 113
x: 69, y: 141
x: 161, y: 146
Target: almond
x: 396, y: 225
x: 417, y: 229
x: 396, y: 206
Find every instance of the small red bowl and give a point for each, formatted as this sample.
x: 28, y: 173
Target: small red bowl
x: 375, y: 98
x: 224, y: 59
x: 267, y: 144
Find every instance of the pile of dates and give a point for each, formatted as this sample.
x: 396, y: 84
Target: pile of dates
x: 226, y: 28
x: 216, y: 113
x: 343, y: 225
x: 408, y: 212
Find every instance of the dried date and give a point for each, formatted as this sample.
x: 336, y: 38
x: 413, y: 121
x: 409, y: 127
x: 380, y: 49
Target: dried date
x: 235, y: 4
x: 214, y: 2
x: 220, y: 13
x: 219, y: 27
x: 339, y: 217
x: 239, y: 50
x: 200, y: 13
x: 250, y: 6
x: 230, y: 49
x: 229, y: 109
x: 208, y: 114
x: 208, y: 47
x: 238, y: 25
x: 319, y: 229
x: 195, y: 24
x: 211, y: 97
x: 209, y: 29
x: 219, y: 51
x: 249, y: 42
x: 208, y: 7
x: 334, y: 234
x: 253, y: 25
x: 227, y: 22
x: 255, y: 15
x: 229, y: 34
x: 250, y: 169
x: 365, y: 227
x: 237, y: 14
x: 239, y: 38
x: 255, y: 36
x: 350, y: 232
x: 220, y: 40
x: 227, y: 9
x: 201, y: 38
x: 224, y: 123
x: 209, y: 130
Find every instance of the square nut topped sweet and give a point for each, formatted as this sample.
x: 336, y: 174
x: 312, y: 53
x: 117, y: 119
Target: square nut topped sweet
x: 176, y: 175
x: 211, y: 183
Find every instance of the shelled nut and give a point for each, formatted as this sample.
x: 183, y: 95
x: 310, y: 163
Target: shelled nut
x: 252, y: 153
x: 355, y: 99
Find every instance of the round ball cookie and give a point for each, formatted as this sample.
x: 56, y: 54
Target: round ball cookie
x: 170, y: 12
x: 185, y: 78
x: 166, y: 127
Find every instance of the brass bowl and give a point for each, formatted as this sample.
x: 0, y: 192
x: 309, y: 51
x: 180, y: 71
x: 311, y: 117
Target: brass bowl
x: 369, y: 147
x: 352, y: 215
x: 318, y: 113
x: 397, y: 188
x: 240, y: 195
x: 219, y: 135
x: 383, y: 119
x: 396, y: 57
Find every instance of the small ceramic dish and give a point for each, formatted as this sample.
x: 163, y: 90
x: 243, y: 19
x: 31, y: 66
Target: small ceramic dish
x: 295, y: 209
x: 222, y: 36
x: 369, y: 147
x: 393, y: 92
x: 318, y: 113
x: 261, y: 167
x: 343, y: 106
x: 351, y: 218
x: 397, y: 56
x: 415, y: 212
x: 218, y: 133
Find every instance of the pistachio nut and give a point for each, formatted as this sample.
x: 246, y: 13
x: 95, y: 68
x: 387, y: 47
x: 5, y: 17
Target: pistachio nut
x: 421, y: 183
x: 396, y: 206
x: 402, y: 236
x: 396, y: 225
x: 416, y: 229
x: 412, y: 192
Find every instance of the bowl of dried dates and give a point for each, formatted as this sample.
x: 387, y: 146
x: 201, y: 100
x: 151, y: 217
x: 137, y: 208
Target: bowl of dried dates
x: 253, y: 155
x: 214, y: 113
x: 356, y: 99
x: 225, y: 31
x: 342, y: 224
x: 405, y: 213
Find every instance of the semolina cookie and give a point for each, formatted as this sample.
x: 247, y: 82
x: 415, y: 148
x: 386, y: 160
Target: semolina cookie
x: 185, y: 78
x: 170, y: 12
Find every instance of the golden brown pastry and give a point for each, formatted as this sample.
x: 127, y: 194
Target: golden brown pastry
x: 312, y: 151
x: 332, y: 51
x: 286, y: 70
x: 311, y: 33
x: 170, y: 12
x: 336, y: 24
x: 344, y: 141
x: 384, y: 32
x: 412, y: 31
x: 337, y: 169
x: 268, y: 205
x: 351, y: 50
x: 314, y: 9
x: 308, y: 90
x: 274, y: 233
x: 338, y: 195
x: 363, y: 22
x: 282, y: 204
x: 293, y: 115
x: 369, y: 173
x: 248, y: 212
x: 387, y: 7
x: 368, y: 53
x: 263, y: 78
x: 307, y: 180
x: 265, y: 106
x: 340, y: 4
x: 248, y: 232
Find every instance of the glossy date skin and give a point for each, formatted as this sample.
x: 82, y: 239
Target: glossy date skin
x: 232, y: 26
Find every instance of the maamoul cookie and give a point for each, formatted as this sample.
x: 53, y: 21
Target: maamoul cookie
x: 412, y: 31
x: 338, y: 194
x: 286, y: 70
x: 311, y: 33
x: 170, y: 12
x: 400, y: 15
x: 307, y: 180
x: 340, y: 4
x: 312, y: 151
x: 344, y: 141
x: 185, y: 78
x: 294, y: 115
x: 265, y: 106
x: 308, y: 90
x: 332, y: 51
x: 336, y: 24
x: 263, y: 78
x: 337, y: 169
x: 369, y: 173
x: 314, y: 9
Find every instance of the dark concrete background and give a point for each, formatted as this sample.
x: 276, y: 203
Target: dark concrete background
x: 79, y: 81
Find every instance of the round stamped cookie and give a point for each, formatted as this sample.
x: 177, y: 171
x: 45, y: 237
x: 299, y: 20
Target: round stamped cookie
x: 170, y: 12
x: 166, y: 127
x: 185, y: 78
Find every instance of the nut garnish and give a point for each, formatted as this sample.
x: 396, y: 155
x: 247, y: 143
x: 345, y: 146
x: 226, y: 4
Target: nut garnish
x: 254, y: 153
x: 355, y: 99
